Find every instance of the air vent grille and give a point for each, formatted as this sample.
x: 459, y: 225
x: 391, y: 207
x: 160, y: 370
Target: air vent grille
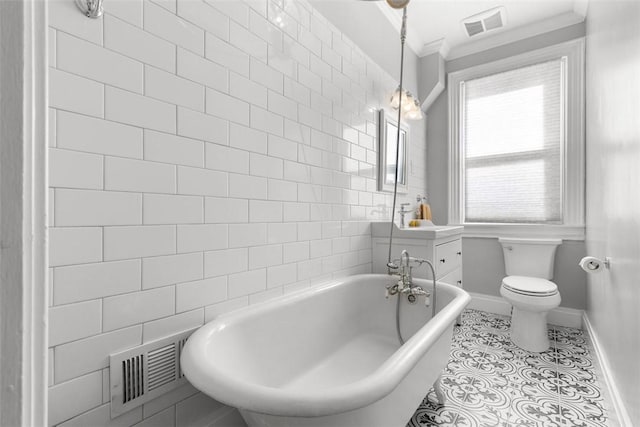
x: 493, y: 21
x: 133, y: 378
x: 474, y: 28
x: 486, y: 21
x: 145, y: 372
x: 180, y: 344
x: 162, y: 366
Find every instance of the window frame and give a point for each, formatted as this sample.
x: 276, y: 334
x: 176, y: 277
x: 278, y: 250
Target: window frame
x: 385, y: 118
x: 573, y: 151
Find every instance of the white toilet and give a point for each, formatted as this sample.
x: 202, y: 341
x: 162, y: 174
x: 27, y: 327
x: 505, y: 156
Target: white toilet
x: 529, y: 266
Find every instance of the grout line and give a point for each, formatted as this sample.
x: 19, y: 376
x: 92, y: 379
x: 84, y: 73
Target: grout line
x: 102, y: 259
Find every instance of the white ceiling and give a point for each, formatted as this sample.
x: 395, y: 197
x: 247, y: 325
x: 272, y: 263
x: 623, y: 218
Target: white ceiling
x: 435, y: 25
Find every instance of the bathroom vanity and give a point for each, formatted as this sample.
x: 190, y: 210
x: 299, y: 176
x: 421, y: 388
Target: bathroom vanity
x: 442, y: 245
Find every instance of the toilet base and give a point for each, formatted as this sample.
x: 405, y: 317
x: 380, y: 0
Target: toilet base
x: 529, y: 330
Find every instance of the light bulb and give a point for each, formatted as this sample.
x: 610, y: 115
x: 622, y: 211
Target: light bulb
x: 413, y: 115
x: 396, y: 99
x: 394, y: 102
x: 409, y: 104
x: 407, y: 98
x: 415, y: 112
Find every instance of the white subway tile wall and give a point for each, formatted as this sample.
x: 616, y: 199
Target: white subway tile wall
x: 205, y: 155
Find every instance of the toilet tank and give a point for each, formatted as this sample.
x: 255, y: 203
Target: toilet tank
x: 529, y: 257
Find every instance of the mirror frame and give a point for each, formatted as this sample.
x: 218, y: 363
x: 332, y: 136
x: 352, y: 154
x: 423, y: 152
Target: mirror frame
x: 384, y: 119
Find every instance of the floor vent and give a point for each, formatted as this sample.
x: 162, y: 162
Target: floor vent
x: 145, y: 372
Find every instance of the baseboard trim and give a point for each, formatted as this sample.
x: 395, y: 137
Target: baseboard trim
x: 621, y: 413
x: 561, y: 316
x: 489, y: 303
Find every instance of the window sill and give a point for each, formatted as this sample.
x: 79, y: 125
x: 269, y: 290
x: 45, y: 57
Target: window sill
x: 564, y: 232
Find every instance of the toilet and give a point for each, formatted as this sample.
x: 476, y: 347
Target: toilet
x: 527, y: 287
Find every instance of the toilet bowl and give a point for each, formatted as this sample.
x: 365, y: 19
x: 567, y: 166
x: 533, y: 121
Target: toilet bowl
x: 529, y: 266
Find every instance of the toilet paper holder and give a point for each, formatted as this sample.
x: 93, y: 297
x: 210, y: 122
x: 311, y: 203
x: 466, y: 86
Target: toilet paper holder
x: 594, y: 265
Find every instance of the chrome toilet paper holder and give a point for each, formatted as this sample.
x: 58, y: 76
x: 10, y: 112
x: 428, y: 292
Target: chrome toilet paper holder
x: 592, y: 264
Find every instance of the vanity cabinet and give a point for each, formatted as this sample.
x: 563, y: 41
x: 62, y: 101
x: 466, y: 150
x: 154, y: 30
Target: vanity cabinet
x: 447, y: 258
x: 442, y: 245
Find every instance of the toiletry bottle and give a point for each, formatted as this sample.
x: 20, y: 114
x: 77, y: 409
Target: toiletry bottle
x: 419, y: 207
x: 425, y: 209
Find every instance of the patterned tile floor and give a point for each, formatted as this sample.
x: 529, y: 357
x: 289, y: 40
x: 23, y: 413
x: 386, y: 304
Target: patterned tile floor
x: 491, y: 382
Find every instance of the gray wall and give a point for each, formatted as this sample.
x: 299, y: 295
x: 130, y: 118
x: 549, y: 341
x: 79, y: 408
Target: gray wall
x: 483, y: 269
x: 613, y: 179
x: 537, y: 42
x: 428, y: 75
x: 483, y: 260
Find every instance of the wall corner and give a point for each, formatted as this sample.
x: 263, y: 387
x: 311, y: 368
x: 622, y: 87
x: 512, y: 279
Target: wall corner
x: 431, y: 78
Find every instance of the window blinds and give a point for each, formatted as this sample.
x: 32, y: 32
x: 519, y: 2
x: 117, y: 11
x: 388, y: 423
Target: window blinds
x: 512, y: 141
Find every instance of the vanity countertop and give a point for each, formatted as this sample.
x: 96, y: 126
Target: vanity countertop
x: 381, y: 229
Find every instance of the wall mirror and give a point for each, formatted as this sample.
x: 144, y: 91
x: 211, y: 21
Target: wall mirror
x: 387, y: 137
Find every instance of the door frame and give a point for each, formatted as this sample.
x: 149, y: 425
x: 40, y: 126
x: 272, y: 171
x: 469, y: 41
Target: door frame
x: 23, y: 214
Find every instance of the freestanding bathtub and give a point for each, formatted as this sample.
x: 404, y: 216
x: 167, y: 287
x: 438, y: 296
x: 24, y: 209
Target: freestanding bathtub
x: 326, y: 356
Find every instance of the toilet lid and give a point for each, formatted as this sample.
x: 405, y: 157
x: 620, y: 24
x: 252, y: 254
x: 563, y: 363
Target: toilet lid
x: 530, y: 285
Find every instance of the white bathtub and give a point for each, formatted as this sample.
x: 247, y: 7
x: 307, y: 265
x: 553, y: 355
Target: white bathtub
x: 327, y: 356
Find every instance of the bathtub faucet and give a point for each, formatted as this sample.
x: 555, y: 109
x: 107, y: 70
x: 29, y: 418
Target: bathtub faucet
x: 403, y: 265
x: 405, y: 285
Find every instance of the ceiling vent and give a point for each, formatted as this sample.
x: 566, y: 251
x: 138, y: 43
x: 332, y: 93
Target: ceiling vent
x: 489, y: 20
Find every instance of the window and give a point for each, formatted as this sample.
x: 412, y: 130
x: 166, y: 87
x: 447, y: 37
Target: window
x: 516, y: 144
x: 512, y: 134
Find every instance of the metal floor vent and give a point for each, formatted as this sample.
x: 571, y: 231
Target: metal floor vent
x: 145, y: 372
